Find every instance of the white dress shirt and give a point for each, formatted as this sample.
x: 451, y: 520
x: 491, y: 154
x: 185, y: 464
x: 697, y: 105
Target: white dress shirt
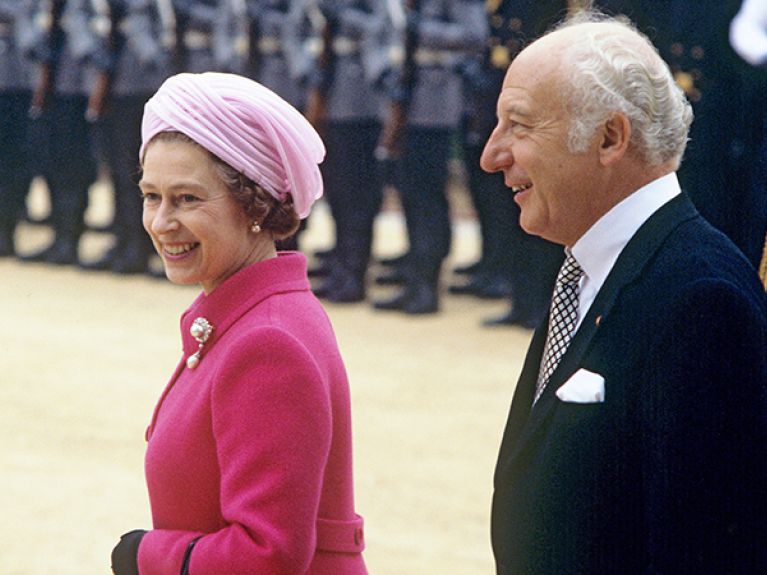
x: 598, y: 249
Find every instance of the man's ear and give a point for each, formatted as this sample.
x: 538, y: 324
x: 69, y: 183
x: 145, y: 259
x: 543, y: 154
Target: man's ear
x: 616, y: 135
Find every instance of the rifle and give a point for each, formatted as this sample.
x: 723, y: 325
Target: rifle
x: 322, y: 77
x: 390, y: 143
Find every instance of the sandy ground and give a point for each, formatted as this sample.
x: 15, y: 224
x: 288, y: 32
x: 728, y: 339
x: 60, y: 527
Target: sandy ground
x: 84, y: 357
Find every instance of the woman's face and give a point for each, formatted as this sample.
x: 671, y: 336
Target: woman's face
x: 199, y: 230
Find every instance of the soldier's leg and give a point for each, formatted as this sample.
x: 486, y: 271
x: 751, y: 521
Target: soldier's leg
x: 136, y: 246
x: 356, y: 196
x: 427, y: 215
x: 72, y: 171
x: 15, y: 171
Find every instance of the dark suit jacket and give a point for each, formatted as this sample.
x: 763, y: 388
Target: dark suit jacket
x: 669, y: 474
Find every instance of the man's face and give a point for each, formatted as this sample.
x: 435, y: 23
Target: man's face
x: 529, y: 145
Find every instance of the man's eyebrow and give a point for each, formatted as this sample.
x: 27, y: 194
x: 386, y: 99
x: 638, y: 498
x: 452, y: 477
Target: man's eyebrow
x: 515, y: 109
x: 508, y: 106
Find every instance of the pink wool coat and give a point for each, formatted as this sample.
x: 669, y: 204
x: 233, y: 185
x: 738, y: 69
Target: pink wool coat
x: 252, y: 450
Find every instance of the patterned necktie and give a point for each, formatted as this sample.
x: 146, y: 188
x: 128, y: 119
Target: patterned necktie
x: 562, y: 319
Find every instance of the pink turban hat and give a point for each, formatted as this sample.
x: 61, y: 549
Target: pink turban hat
x: 247, y: 126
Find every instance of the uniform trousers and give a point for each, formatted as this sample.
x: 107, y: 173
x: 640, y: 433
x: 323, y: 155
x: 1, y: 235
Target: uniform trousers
x: 121, y: 143
x: 353, y: 193
x: 496, y: 211
x: 71, y: 168
x: 422, y: 179
x: 15, y: 170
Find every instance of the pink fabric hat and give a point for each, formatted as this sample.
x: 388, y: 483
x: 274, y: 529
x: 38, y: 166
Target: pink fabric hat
x: 246, y: 125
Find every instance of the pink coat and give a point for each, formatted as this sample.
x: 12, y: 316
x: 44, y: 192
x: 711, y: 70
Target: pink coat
x: 253, y: 448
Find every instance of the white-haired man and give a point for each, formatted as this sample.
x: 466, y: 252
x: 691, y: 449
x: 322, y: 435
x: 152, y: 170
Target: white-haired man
x: 637, y: 437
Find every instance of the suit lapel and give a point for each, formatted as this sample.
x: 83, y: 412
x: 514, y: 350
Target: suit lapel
x: 525, y: 422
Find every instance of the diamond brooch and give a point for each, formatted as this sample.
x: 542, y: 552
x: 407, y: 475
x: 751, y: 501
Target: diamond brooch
x: 200, y: 330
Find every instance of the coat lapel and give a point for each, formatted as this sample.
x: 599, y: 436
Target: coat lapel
x: 525, y: 422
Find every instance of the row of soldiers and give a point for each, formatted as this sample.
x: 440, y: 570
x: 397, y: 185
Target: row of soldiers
x: 392, y: 85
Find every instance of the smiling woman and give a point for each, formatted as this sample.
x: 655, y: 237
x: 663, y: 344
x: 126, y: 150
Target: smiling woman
x: 248, y: 461
x: 186, y: 201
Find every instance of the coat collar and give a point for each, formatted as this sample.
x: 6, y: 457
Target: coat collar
x: 524, y: 422
x: 239, y: 293
x: 231, y: 300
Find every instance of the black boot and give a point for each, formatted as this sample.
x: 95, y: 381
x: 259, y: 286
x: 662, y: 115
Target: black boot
x: 344, y: 287
x: 418, y: 299
x: 422, y: 298
x: 133, y: 260
x: 7, y: 248
x: 63, y: 251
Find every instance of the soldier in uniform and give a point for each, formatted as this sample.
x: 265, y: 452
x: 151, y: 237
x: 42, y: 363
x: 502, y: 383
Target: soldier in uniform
x: 513, y: 262
x: 16, y: 35
x: 435, y: 36
x: 61, y: 97
x: 344, y: 106
x: 748, y: 36
x: 693, y: 38
x: 138, y: 41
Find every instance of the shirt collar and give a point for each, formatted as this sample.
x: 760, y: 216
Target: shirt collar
x: 599, y: 248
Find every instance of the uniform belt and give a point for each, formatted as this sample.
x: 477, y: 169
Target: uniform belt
x: 345, y: 46
x: 269, y: 45
x: 338, y: 536
x: 196, y: 39
x: 425, y: 57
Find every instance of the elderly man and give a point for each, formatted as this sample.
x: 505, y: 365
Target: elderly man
x: 637, y: 437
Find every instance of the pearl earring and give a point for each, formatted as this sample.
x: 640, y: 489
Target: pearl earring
x: 255, y: 228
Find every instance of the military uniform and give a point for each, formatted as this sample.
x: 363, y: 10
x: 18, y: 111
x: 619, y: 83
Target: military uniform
x: 444, y: 32
x: 748, y: 36
x: 69, y: 166
x: 522, y: 265
x: 137, y: 53
x: 692, y: 36
x: 196, y: 21
x: 16, y: 39
x: 345, y: 107
x: 269, y: 63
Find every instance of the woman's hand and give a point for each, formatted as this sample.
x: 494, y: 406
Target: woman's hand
x: 125, y: 553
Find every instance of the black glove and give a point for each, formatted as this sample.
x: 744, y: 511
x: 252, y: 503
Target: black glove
x: 125, y: 553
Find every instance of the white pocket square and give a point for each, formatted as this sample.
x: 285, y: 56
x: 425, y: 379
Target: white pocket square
x: 583, y: 387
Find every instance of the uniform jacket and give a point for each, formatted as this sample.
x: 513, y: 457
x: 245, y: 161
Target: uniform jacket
x: 137, y: 44
x: 668, y: 473
x: 270, y: 63
x: 356, y: 47
x: 16, y: 35
x: 196, y: 21
x: 68, y: 46
x: 447, y: 32
x: 252, y: 449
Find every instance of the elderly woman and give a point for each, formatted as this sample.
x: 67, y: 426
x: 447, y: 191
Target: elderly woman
x: 248, y: 464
